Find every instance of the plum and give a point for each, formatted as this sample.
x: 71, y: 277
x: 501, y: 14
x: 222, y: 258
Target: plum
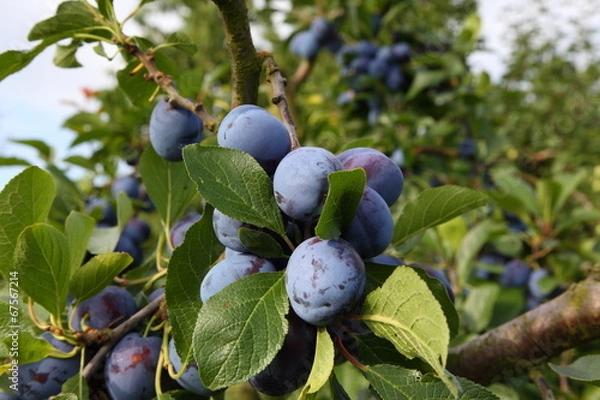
x: 131, y: 367
x: 257, y: 132
x: 291, y: 366
x: 383, y: 174
x: 172, y: 128
x: 300, y: 181
x: 179, y: 228
x: 103, y: 207
x: 109, y: 308
x: 515, y: 274
x: 324, y: 280
x: 370, y: 231
x: 190, y: 379
x: 44, y: 378
x: 231, y: 269
x: 127, y: 244
x: 137, y: 229
x: 127, y: 184
x: 226, y: 229
x: 305, y: 44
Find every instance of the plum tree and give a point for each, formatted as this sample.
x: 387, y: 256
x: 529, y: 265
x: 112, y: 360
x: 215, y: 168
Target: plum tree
x: 231, y: 269
x: 324, y: 280
x: 190, y: 378
x: 131, y: 366
x: 300, y: 181
x: 44, y: 378
x: 257, y: 132
x: 109, y: 308
x: 370, y: 231
x: 172, y: 128
x: 291, y: 366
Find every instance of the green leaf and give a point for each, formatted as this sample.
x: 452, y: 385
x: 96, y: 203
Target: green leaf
x: 31, y: 348
x: 345, y: 191
x: 182, y: 42
x: 322, y: 364
x: 338, y: 390
x: 188, y: 264
x: 516, y: 187
x: 10, y: 312
x: 478, y: 308
x: 44, y: 151
x: 375, y: 350
x: 586, y: 368
x: 66, y: 396
x: 97, y: 274
x: 433, y: 207
x: 240, y: 329
x: 76, y: 385
x: 78, y: 230
x: 168, y: 185
x: 13, y: 161
x: 25, y: 200
x: 260, y: 243
x: 424, y: 80
x: 71, y: 17
x: 103, y: 240
x: 405, y: 312
x: 68, y: 195
x: 106, y: 8
x: 43, y: 260
x: 65, y: 55
x: 235, y: 184
x: 135, y: 86
x: 12, y: 61
x: 470, y: 246
x: 395, y: 383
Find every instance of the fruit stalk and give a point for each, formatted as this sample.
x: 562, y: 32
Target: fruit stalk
x: 514, y: 348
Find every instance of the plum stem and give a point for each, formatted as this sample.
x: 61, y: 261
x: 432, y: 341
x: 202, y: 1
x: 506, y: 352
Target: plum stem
x: 340, y: 345
x: 279, y: 83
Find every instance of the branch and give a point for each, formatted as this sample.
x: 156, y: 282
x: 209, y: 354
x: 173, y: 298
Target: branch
x: 245, y: 63
x: 117, y: 333
x: 512, y: 349
x: 278, y: 83
x: 167, y: 84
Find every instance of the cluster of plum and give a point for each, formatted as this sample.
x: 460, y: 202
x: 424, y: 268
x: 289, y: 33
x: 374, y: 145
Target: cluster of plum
x: 136, y: 230
x: 130, y: 367
x: 325, y: 279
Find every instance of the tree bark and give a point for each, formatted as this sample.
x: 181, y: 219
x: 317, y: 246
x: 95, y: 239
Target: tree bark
x: 512, y: 349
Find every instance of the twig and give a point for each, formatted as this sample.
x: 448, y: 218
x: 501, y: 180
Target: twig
x: 117, y: 333
x: 167, y: 84
x: 278, y: 83
x: 514, y: 348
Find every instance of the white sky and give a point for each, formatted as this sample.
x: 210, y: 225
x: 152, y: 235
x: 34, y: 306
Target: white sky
x: 35, y: 102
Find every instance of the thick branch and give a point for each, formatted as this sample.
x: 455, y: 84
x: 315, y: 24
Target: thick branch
x: 167, y: 84
x: 117, y: 333
x: 245, y: 63
x: 278, y: 83
x: 512, y: 349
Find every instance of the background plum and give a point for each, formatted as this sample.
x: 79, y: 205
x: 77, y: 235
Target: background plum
x: 109, y: 308
x: 300, y: 181
x: 179, y: 228
x: 324, y: 280
x: 190, y: 379
x: 173, y: 128
x: 131, y: 367
x: 44, y: 378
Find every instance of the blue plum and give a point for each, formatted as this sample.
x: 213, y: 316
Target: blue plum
x: 231, y: 269
x: 172, y: 128
x: 378, y: 68
x: 300, y: 182
x: 515, y: 274
x: 467, y: 149
x: 127, y: 244
x: 401, y: 52
x: 395, y: 79
x: 324, y: 279
x: 305, y: 44
x: 179, y: 228
x: 383, y: 175
x: 190, y: 379
x: 257, y: 132
x: 137, y: 229
x: 226, y: 229
x: 131, y: 367
x: 102, y: 208
x: 44, y: 378
x: 322, y: 29
x: 109, y: 308
x: 291, y: 366
x: 533, y: 283
x: 386, y: 259
x: 156, y: 294
x: 127, y: 184
x: 370, y: 231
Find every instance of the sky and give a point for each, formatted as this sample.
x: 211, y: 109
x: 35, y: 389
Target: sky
x: 37, y: 100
